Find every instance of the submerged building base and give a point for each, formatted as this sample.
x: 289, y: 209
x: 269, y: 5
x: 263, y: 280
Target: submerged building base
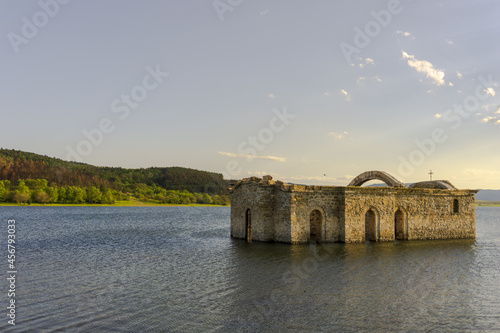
x: 273, y: 211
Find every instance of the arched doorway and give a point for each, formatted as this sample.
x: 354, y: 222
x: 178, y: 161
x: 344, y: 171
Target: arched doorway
x: 399, y: 225
x: 248, y: 226
x: 315, y: 222
x: 370, y: 226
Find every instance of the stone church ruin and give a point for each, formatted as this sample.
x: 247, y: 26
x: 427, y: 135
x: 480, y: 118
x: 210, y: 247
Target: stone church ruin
x: 273, y: 211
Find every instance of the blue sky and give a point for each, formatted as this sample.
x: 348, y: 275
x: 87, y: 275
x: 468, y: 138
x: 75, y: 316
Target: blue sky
x: 309, y: 92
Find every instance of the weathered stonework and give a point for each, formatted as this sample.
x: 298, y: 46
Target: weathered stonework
x: 268, y: 210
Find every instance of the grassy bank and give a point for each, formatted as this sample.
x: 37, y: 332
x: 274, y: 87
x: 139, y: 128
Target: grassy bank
x: 128, y: 203
x: 481, y: 203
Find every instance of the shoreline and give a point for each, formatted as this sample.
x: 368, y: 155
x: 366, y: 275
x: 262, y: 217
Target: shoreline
x: 134, y: 203
x: 117, y: 204
x: 481, y: 203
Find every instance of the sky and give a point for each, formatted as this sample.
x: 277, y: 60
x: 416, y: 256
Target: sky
x: 310, y: 92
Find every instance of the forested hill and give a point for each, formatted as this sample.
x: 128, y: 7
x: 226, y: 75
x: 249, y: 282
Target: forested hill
x: 18, y: 165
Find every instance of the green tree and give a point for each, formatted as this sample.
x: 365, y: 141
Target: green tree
x: 107, y: 197
x: 206, y: 199
x: 61, y: 195
x: 3, y: 192
x: 36, y: 184
x: 20, y: 197
x: 93, y: 195
x: 42, y: 197
x: 53, y: 193
x: 218, y: 200
x: 22, y: 193
x: 75, y: 195
x: 79, y: 195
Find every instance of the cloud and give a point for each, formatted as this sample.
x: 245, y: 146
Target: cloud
x: 405, y: 34
x: 438, y: 115
x: 346, y: 94
x: 480, y: 172
x: 339, y: 136
x: 362, y: 80
x: 491, y: 120
x: 271, y: 95
x: 357, y: 60
x: 262, y: 173
x: 248, y: 156
x: 264, y: 12
x: 326, y: 93
x: 490, y: 91
x: 498, y: 110
x: 426, y: 67
x: 450, y: 84
x: 305, y: 160
x: 449, y: 42
x: 320, y: 179
x: 459, y: 75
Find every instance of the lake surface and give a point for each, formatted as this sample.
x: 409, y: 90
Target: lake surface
x: 176, y: 269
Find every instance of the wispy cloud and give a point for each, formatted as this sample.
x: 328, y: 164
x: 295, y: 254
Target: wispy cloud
x: 248, y: 156
x: 320, y: 179
x: 426, y: 67
x: 338, y: 136
x: 361, y: 63
x: 262, y: 173
x: 491, y: 120
x: 498, y: 110
x: 271, y: 95
x: 438, y: 115
x: 362, y: 80
x: 303, y: 179
x: 264, y: 12
x: 459, y: 75
x: 490, y: 91
x: 480, y: 172
x: 346, y: 94
x: 403, y: 33
x: 306, y: 160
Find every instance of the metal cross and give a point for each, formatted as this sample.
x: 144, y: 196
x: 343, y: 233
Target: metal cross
x: 430, y: 174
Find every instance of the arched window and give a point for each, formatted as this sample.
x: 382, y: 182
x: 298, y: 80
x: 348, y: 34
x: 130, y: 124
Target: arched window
x: 370, y: 226
x: 399, y: 225
x: 455, y: 206
x: 315, y: 223
x: 248, y: 226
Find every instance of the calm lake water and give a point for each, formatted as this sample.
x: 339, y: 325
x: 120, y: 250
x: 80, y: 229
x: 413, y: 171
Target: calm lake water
x: 176, y: 269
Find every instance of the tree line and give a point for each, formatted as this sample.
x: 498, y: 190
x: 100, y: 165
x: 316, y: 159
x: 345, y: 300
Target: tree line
x: 16, y: 165
x: 32, y: 178
x: 29, y: 191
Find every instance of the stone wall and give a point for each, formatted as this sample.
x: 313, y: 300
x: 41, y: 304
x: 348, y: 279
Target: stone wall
x: 329, y: 201
x: 427, y: 213
x: 283, y: 212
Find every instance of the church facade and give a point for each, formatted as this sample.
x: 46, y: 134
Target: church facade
x: 273, y: 211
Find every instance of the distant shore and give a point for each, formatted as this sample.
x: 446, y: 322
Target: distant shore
x: 482, y: 203
x: 130, y: 203
x: 136, y: 203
